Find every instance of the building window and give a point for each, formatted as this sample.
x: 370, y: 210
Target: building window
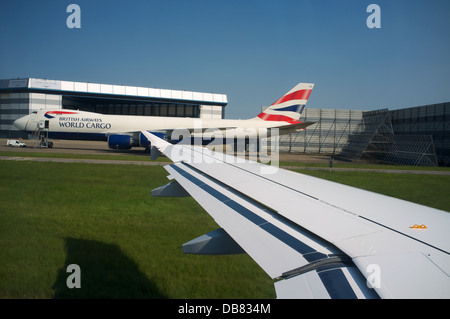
x: 172, y: 110
x: 163, y: 110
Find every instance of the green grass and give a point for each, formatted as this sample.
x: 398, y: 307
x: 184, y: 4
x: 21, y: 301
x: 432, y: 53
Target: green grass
x: 127, y: 243
x: 115, y: 157
x: 364, y: 166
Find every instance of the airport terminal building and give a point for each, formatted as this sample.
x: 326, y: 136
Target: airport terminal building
x: 418, y: 135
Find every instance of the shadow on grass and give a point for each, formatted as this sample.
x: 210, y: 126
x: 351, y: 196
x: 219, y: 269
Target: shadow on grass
x: 106, y: 272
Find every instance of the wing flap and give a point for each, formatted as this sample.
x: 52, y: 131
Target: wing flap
x: 326, y: 283
x: 397, y: 275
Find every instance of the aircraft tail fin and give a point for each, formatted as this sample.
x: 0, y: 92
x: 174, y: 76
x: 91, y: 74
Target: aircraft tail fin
x: 290, y: 106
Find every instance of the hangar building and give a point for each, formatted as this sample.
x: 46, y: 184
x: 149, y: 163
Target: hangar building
x: 20, y: 97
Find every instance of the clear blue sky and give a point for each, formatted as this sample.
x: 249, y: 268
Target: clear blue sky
x: 252, y: 50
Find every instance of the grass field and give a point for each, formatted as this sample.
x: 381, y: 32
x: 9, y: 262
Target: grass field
x: 122, y: 157
x: 128, y: 244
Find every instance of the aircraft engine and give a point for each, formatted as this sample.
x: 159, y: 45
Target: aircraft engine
x: 143, y: 141
x: 120, y: 142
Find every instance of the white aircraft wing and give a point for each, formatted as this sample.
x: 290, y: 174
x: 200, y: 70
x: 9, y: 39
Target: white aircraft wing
x: 315, y: 238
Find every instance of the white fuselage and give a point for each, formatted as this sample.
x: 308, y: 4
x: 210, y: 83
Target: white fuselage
x: 87, y: 125
x: 124, y: 131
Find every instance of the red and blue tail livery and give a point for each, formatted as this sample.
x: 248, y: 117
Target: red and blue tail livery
x: 290, y: 106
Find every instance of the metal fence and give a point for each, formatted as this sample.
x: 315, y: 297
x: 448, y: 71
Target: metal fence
x: 327, y: 136
x: 375, y: 139
x: 405, y: 137
x: 416, y: 150
x: 372, y: 138
x: 431, y: 120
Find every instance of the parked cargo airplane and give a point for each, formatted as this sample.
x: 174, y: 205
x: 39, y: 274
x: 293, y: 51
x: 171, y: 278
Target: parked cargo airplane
x: 124, y: 131
x: 315, y: 238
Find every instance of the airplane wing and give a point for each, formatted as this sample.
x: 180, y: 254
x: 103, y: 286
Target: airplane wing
x: 285, y: 129
x: 315, y: 238
x: 292, y: 128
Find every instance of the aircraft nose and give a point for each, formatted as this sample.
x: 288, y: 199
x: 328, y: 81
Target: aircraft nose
x: 21, y: 123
